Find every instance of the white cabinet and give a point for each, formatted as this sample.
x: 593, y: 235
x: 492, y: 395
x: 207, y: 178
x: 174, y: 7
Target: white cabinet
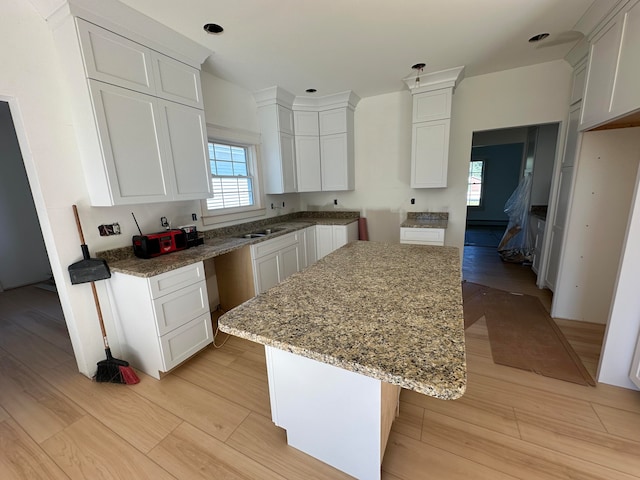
x: 430, y: 154
x: 626, y: 94
x: 307, y: 139
x: 613, y: 71
x: 422, y: 236
x: 114, y: 59
x: 278, y: 150
x: 430, y: 138
x: 431, y: 119
x: 307, y: 247
x: 157, y: 154
x: 162, y: 320
x: 139, y: 118
x: 274, y: 260
x: 332, y: 237
x: 325, y: 149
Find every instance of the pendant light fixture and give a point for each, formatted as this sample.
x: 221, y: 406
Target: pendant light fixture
x: 418, y: 67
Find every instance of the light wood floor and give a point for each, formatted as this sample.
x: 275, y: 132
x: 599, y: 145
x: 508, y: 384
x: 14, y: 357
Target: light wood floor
x: 210, y: 418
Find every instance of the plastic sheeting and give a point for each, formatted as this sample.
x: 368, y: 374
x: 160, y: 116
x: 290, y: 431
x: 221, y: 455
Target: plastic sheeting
x: 516, y: 245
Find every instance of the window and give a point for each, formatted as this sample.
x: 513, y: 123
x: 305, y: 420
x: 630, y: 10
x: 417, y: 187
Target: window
x: 476, y: 178
x: 231, y: 179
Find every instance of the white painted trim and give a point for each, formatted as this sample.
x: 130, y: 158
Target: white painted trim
x: 60, y: 275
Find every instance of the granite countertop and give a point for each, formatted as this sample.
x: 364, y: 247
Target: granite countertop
x: 426, y: 220
x: 388, y: 311
x: 218, y: 242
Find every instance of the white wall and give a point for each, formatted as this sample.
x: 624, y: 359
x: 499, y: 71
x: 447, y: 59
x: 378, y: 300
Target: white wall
x: 525, y: 96
x: 23, y: 258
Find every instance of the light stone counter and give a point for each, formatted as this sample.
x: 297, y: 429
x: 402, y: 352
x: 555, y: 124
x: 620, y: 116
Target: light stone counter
x: 388, y: 311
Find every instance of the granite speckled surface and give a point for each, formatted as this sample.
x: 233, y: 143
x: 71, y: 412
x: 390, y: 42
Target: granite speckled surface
x: 426, y: 220
x: 218, y: 242
x: 388, y: 311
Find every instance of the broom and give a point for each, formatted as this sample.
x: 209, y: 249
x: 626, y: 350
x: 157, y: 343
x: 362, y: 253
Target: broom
x: 111, y: 369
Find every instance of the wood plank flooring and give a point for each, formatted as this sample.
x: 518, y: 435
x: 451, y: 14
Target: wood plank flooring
x: 210, y: 418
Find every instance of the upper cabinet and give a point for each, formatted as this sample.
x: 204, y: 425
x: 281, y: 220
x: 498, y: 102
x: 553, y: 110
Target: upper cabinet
x: 317, y: 154
x: 277, y: 149
x: 430, y: 127
x: 139, y: 117
x: 613, y: 71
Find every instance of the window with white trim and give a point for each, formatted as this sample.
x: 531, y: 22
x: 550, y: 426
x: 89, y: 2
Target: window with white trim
x: 476, y: 181
x: 232, y: 180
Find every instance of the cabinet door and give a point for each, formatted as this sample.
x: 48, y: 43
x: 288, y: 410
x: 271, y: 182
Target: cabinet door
x: 306, y: 123
x: 603, y: 58
x: 308, y: 163
x: 288, y: 262
x: 185, y: 341
x: 335, y: 158
x: 265, y: 272
x: 285, y: 120
x: 287, y: 150
x: 433, y: 105
x: 339, y: 236
x: 430, y: 154
x: 180, y: 307
x: 187, y: 151
x: 129, y: 130
x: 324, y: 240
x: 626, y: 94
x: 177, y: 81
x: 310, y: 245
x: 113, y: 59
x: 333, y: 121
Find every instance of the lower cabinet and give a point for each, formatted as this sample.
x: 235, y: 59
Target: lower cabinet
x: 274, y: 260
x: 162, y: 320
x: 308, y: 247
x: 422, y: 236
x: 332, y: 237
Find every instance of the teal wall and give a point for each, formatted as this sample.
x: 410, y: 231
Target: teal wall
x: 502, y: 174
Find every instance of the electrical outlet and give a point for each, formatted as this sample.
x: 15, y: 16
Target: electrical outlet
x: 335, y: 201
x: 109, y: 229
x: 164, y: 222
x: 413, y: 201
x: 194, y: 217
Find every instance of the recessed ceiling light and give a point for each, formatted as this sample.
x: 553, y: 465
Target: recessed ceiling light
x: 311, y: 90
x: 537, y: 38
x: 213, y: 28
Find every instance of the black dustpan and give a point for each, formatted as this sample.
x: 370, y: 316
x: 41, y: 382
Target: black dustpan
x: 88, y: 269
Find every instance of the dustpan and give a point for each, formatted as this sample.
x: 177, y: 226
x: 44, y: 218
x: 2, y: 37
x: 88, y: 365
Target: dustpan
x: 88, y: 269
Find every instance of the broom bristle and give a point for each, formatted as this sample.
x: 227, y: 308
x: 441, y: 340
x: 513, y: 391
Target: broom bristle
x: 114, y: 370
x: 108, y: 372
x: 129, y: 376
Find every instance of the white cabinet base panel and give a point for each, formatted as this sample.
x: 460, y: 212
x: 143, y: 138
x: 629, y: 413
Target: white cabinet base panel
x: 339, y: 417
x: 422, y: 236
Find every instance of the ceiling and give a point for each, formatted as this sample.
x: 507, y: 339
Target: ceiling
x: 367, y: 46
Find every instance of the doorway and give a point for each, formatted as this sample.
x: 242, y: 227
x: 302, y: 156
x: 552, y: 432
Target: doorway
x: 499, y: 160
x: 31, y: 318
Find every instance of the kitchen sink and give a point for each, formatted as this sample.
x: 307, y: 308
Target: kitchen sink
x: 261, y: 233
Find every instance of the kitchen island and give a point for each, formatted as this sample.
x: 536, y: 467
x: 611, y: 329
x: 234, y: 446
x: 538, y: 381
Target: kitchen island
x: 344, y: 335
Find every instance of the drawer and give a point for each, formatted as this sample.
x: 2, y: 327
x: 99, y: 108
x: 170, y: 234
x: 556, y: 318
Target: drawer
x: 180, y: 307
x: 422, y: 236
x: 185, y: 341
x: 269, y: 246
x: 176, y: 279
